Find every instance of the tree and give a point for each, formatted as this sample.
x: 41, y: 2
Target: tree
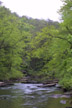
x: 12, y: 44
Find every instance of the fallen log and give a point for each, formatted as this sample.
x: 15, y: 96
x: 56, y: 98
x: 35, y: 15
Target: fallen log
x: 48, y: 85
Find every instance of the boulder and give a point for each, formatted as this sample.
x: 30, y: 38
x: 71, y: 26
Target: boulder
x: 3, y: 84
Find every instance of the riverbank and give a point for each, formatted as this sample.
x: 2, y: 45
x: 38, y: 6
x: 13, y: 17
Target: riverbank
x: 49, y: 83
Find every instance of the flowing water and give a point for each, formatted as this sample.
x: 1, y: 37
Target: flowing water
x: 31, y: 96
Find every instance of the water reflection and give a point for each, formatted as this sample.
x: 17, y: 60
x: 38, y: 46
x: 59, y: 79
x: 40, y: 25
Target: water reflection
x: 31, y: 96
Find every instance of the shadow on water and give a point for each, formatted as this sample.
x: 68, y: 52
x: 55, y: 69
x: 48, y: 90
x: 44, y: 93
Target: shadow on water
x: 32, y: 96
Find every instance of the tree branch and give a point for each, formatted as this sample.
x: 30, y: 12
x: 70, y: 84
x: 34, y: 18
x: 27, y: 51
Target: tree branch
x: 68, y: 30
x: 60, y: 38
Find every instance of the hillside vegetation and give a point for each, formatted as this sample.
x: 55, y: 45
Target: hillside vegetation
x: 36, y: 48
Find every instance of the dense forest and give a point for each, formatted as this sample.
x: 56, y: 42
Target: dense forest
x: 37, y: 48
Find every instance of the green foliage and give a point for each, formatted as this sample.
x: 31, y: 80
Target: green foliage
x: 52, y: 46
x: 38, y: 48
x: 12, y: 44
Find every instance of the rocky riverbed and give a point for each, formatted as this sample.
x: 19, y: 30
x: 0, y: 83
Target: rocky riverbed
x: 27, y: 95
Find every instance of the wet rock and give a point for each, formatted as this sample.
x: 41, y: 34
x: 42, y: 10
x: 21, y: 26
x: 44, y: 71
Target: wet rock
x: 58, y: 86
x: 68, y: 93
x: 60, y: 96
x: 63, y: 101
x: 70, y: 102
x: 65, y: 96
x: 4, y: 84
x: 1, y: 83
x: 50, y: 82
x: 34, y: 107
x: 56, y: 96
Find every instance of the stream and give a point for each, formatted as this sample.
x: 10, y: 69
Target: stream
x: 31, y: 96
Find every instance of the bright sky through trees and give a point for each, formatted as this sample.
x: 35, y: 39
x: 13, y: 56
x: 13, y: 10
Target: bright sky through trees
x: 42, y: 9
